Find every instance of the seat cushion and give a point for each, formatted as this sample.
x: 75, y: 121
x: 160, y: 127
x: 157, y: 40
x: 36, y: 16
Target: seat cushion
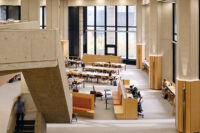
x: 117, y: 102
x: 82, y: 109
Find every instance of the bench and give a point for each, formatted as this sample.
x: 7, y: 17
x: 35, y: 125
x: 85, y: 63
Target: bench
x: 90, y: 59
x: 117, y: 96
x: 83, y: 104
x: 125, y: 108
x: 126, y: 84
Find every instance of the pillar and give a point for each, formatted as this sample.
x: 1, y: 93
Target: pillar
x: 188, y: 84
x: 30, y: 10
x: 154, y: 46
x: 53, y: 14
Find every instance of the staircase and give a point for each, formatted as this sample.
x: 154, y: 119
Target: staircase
x: 28, y: 127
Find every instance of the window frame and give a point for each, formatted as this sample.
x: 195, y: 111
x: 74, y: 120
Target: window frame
x: 106, y: 27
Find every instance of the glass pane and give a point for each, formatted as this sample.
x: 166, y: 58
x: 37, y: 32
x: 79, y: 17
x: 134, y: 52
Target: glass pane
x: 111, y: 35
x: 132, y: 45
x: 90, y: 28
x: 100, y: 43
x: 90, y: 42
x: 90, y: 15
x: 40, y: 16
x: 100, y: 29
x: 132, y: 29
x: 13, y: 12
x: 100, y: 16
x: 121, y: 15
x: 121, y: 29
x: 2, y: 12
x: 132, y: 15
x: 121, y: 45
x: 45, y: 16
x: 111, y: 50
x: 110, y: 16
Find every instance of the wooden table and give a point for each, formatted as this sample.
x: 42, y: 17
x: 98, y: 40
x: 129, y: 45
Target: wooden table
x: 171, y: 91
x: 113, y: 65
x: 77, y: 62
x: 94, y: 74
x: 101, y: 69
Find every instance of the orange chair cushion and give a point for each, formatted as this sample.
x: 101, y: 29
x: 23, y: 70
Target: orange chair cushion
x: 82, y: 102
x: 115, y: 93
x: 82, y: 109
x: 117, y: 102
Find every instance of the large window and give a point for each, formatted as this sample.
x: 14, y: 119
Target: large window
x: 10, y: 12
x: 42, y: 17
x: 111, y: 30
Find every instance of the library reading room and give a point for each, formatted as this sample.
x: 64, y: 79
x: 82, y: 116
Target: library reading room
x: 99, y: 66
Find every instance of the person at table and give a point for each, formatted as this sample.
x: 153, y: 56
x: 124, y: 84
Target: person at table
x: 164, y: 89
x: 109, y: 64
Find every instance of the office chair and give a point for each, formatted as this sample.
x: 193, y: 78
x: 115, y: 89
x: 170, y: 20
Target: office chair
x: 140, y: 110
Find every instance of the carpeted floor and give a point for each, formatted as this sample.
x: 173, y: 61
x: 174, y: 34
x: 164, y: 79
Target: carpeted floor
x: 158, y: 116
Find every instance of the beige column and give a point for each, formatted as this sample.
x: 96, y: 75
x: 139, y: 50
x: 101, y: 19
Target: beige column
x: 30, y: 10
x: 139, y: 21
x: 53, y: 14
x: 188, y: 40
x: 146, y: 18
x: 154, y: 27
x: 65, y: 32
x: 80, y: 32
x: 188, y: 84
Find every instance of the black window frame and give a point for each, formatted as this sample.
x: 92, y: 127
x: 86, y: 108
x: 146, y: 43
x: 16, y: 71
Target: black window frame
x: 7, y: 11
x: 174, y: 42
x: 43, y: 26
x: 126, y: 60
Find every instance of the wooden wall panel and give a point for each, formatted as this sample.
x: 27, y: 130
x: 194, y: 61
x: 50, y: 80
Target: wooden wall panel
x: 188, y: 109
x: 140, y: 56
x: 155, y: 72
x: 179, y: 107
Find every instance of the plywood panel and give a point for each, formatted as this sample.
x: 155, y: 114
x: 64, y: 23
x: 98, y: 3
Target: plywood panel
x: 179, y: 107
x: 89, y: 59
x: 151, y: 70
x: 131, y: 112
x: 158, y: 72
x: 155, y: 72
x: 192, y: 107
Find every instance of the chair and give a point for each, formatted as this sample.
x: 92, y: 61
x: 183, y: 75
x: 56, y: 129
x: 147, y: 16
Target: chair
x: 75, y: 90
x: 140, y: 110
x: 94, y: 93
x: 97, y: 94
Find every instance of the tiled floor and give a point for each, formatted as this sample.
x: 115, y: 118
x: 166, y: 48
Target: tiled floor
x: 158, y: 112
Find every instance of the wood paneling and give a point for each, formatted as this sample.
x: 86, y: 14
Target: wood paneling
x: 65, y: 48
x: 188, y: 109
x: 140, y: 56
x: 155, y: 72
x: 90, y: 59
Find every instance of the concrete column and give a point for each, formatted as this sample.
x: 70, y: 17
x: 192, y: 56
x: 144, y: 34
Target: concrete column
x: 147, y: 30
x: 188, y: 66
x: 65, y: 34
x: 53, y: 14
x: 188, y: 40
x: 80, y: 32
x: 30, y: 10
x: 139, y: 22
x: 154, y: 18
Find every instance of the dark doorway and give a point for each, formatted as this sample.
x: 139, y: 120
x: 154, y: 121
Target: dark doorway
x: 73, y: 31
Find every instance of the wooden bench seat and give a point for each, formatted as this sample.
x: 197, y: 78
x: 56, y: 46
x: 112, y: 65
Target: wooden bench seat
x: 119, y: 112
x: 83, y: 104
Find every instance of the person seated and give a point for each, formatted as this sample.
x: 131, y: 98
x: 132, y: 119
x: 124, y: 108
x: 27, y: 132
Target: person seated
x: 164, y: 89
